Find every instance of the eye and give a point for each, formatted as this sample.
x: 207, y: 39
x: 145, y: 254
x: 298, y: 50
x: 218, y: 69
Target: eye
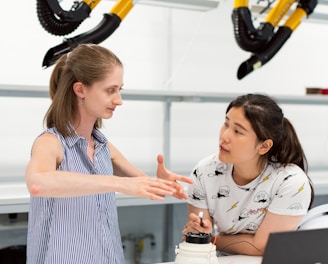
x: 238, y: 132
x: 114, y: 90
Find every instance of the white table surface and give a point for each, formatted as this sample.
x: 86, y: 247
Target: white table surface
x: 236, y: 259
x: 15, y: 198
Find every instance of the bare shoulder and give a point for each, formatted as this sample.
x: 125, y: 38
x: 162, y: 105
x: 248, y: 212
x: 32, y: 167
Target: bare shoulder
x: 48, y: 139
x: 114, y: 152
x: 48, y: 144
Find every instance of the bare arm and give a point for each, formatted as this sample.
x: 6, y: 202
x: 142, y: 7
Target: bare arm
x: 43, y: 179
x: 121, y: 166
x: 245, y: 244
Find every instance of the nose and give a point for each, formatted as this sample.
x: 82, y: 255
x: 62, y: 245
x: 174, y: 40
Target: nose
x: 118, y: 99
x: 224, y: 134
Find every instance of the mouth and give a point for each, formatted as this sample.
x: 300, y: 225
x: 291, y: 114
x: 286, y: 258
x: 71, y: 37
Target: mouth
x: 222, y: 149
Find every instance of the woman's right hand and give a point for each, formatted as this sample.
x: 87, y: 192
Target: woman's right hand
x: 195, y: 225
x: 148, y: 187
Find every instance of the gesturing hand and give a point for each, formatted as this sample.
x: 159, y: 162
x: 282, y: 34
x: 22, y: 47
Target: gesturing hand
x: 164, y: 173
x: 149, y: 187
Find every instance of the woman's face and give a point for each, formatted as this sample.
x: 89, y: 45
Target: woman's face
x: 238, y: 141
x: 104, y: 96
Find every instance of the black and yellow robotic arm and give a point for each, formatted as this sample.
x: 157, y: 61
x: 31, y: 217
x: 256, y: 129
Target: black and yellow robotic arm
x: 59, y: 22
x: 264, y: 42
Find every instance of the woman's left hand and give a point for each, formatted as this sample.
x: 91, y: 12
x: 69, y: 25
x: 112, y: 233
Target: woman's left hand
x: 163, y: 173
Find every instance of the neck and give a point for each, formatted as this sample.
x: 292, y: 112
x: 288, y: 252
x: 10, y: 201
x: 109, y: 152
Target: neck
x: 84, y: 127
x: 243, y: 175
x: 84, y: 131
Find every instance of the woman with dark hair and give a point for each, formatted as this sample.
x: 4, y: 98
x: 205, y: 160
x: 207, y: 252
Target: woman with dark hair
x: 257, y: 182
x: 74, y: 171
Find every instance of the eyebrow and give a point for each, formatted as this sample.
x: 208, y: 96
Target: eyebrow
x: 237, y: 124
x: 114, y: 86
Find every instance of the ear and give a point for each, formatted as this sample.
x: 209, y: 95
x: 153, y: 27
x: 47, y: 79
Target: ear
x: 265, y: 146
x: 79, y: 89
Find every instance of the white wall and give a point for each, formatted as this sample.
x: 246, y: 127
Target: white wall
x: 162, y: 49
x: 204, y: 53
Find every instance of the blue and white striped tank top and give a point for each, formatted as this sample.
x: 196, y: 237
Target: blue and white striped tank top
x: 76, y: 230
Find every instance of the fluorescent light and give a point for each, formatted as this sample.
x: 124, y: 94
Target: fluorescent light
x: 199, y: 5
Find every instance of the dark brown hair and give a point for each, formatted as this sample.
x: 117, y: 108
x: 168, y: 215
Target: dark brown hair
x: 268, y: 122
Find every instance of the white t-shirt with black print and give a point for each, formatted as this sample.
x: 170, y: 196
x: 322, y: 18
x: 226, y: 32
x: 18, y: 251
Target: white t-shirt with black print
x: 241, y: 209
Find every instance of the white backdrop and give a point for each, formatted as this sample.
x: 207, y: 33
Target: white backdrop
x: 162, y: 49
x: 177, y: 49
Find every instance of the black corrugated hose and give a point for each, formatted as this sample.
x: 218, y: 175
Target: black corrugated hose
x: 247, y: 37
x: 57, y: 21
x: 104, y: 29
x: 258, y: 59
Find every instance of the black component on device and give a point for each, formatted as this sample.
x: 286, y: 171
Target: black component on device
x: 198, y: 238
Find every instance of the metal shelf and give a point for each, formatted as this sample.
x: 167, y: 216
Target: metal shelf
x: 165, y: 95
x: 20, y: 201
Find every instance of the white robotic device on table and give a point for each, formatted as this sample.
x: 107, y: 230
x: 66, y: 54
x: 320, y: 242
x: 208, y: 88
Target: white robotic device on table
x: 196, y: 249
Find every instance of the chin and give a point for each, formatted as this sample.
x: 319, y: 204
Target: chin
x: 223, y: 157
x: 107, y: 116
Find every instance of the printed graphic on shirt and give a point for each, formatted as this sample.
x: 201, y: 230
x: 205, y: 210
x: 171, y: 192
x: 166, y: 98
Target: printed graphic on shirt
x: 224, y: 191
x: 241, y: 209
x: 262, y: 197
x: 197, y: 195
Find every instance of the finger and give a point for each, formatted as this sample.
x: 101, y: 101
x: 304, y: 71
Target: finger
x: 194, y: 224
x: 163, y: 188
x: 169, y: 182
x: 182, y: 178
x: 185, y: 230
x: 207, y: 223
x: 191, y: 227
x: 193, y: 217
x: 180, y: 196
x: 156, y: 197
x: 180, y: 193
x: 155, y: 193
x: 160, y: 159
